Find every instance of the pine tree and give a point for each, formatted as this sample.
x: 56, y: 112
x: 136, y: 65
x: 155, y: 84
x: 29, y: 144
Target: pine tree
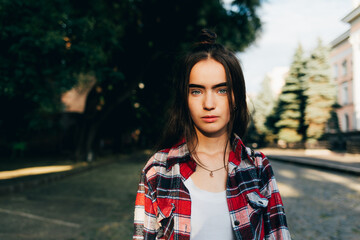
x: 291, y: 103
x: 263, y: 103
x: 320, y: 92
x: 261, y: 107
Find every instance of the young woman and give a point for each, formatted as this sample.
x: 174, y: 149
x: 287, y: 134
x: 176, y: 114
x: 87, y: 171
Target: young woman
x: 205, y: 184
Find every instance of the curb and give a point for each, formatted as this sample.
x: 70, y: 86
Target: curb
x: 317, y: 163
x: 22, y: 183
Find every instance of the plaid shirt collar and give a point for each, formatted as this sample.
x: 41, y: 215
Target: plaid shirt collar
x: 180, y: 154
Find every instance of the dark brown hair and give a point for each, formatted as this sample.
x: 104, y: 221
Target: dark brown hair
x: 180, y: 124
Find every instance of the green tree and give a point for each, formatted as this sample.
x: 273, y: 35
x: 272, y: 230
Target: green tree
x: 288, y: 117
x: 264, y: 103
x: 320, y: 92
x: 47, y: 45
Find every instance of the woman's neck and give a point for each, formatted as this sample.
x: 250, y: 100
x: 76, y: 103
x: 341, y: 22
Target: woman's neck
x: 212, y: 145
x: 212, y: 159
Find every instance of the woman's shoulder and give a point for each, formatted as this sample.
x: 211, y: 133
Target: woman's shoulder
x: 258, y: 157
x: 160, y: 160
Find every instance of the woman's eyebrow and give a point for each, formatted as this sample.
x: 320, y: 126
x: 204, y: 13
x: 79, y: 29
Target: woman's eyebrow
x: 196, y: 86
x: 223, y: 84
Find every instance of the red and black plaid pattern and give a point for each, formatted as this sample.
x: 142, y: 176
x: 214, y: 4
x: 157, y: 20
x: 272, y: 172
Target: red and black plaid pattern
x: 163, y: 204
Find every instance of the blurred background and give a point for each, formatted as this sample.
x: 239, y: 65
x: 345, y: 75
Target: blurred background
x: 80, y: 78
x: 83, y: 78
x: 86, y: 82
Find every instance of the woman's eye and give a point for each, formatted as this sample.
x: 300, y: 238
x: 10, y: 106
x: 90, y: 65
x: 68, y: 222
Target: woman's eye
x: 195, y: 92
x: 222, y: 91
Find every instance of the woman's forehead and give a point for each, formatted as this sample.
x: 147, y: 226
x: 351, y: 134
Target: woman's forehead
x: 207, y: 73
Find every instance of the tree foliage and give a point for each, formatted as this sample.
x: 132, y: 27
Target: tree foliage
x: 47, y: 45
x: 320, y: 92
x: 264, y: 102
x: 307, y: 98
x: 288, y: 121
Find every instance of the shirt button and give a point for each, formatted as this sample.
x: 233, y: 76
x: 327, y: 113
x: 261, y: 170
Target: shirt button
x: 237, y: 222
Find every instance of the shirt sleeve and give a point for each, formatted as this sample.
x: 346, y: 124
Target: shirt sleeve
x: 275, y: 224
x: 145, y: 222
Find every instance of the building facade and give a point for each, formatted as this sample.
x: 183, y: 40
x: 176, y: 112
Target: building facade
x: 345, y: 60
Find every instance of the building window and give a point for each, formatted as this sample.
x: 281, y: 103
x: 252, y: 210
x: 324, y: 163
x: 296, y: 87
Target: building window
x: 336, y: 71
x: 344, y: 68
x: 344, y: 93
x: 345, y: 123
x: 354, y: 122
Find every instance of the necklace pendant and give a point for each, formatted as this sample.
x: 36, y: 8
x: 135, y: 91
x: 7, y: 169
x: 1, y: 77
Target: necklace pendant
x: 211, y: 174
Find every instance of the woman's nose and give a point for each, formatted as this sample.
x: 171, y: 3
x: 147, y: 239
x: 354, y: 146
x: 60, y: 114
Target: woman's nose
x: 209, y: 102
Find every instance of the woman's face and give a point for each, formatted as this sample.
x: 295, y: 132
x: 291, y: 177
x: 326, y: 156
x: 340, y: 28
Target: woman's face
x: 208, y: 98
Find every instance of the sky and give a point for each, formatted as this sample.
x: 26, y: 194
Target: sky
x: 286, y: 23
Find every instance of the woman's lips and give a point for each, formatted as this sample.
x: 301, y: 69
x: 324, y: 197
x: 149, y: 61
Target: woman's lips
x: 210, y: 119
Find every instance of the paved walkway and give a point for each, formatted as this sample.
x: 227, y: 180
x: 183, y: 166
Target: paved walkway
x: 319, y: 158
x: 96, y: 204
x: 22, y: 178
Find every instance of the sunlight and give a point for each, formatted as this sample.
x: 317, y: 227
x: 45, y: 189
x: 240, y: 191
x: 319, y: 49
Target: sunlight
x: 288, y: 190
x: 35, y: 171
x: 330, y: 177
x: 286, y: 173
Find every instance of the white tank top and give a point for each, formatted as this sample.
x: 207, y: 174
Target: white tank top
x: 210, y: 218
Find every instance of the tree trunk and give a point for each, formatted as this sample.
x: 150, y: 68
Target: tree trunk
x: 90, y: 123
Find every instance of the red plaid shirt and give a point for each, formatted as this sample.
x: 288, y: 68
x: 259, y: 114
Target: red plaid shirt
x: 163, y: 204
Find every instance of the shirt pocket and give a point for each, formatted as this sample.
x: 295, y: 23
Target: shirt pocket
x: 165, y: 220
x: 256, y: 205
x: 256, y: 200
